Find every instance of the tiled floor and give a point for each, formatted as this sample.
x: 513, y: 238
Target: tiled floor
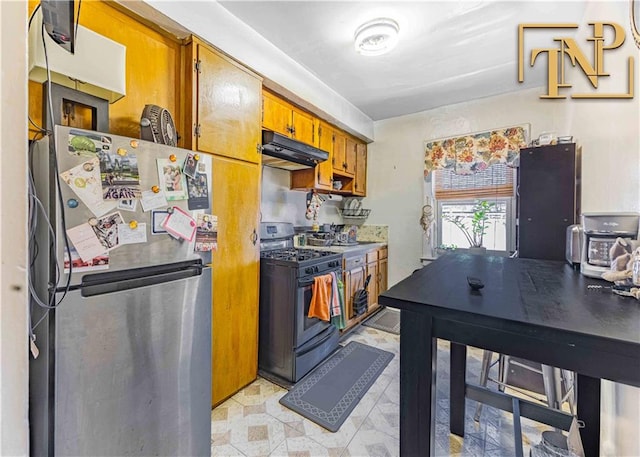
x: 253, y: 423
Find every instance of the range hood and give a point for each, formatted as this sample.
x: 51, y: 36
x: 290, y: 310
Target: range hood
x: 279, y: 151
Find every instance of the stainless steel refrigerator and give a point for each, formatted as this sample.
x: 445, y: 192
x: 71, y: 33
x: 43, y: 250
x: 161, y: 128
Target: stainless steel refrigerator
x: 124, y: 365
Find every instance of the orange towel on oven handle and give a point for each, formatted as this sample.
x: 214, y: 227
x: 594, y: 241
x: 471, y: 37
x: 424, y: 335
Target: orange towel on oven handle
x: 321, y: 297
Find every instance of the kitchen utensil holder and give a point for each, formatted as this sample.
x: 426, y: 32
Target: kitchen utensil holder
x: 360, y: 299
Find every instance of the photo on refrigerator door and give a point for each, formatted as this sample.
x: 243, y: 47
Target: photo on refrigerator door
x: 106, y: 229
x: 172, y: 180
x: 206, y: 233
x: 198, y: 192
x: 87, y: 144
x: 119, y: 174
x: 97, y: 263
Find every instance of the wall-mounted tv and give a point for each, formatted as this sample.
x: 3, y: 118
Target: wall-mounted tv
x: 59, y: 22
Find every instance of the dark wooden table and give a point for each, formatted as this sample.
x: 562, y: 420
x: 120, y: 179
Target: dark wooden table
x: 535, y: 309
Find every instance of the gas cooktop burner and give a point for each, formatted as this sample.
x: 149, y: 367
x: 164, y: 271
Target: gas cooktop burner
x: 295, y: 254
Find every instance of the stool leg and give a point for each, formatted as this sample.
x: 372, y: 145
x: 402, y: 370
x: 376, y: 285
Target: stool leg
x: 484, y: 377
x: 549, y: 386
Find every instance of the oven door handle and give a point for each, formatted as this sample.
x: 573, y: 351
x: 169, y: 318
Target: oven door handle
x: 317, y: 343
x: 305, y: 283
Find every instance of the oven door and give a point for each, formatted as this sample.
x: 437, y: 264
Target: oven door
x: 306, y: 328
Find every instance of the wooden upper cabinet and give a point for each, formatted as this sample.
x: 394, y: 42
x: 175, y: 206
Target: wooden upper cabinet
x: 325, y: 142
x: 350, y: 157
x: 228, y: 108
x: 304, y: 127
x: 276, y: 114
x: 339, y: 140
x: 360, y: 179
x: 284, y: 118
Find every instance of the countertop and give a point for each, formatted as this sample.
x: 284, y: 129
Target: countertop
x: 361, y: 247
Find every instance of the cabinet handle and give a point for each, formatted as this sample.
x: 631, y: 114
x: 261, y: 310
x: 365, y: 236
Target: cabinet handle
x: 254, y: 237
x: 318, y: 175
x: 258, y: 148
x: 344, y: 165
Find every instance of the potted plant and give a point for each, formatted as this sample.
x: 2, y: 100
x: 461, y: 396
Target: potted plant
x: 475, y: 234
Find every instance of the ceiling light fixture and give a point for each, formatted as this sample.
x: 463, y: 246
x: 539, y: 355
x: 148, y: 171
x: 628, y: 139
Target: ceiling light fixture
x: 376, y: 37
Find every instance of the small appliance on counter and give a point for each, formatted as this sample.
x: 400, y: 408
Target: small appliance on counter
x: 600, y: 233
x: 573, y: 249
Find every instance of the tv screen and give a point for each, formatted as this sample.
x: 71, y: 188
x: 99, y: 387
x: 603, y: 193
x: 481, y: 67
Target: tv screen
x: 58, y: 20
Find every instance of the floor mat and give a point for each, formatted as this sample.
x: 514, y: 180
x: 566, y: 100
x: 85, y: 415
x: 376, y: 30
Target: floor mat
x: 387, y: 320
x: 332, y: 390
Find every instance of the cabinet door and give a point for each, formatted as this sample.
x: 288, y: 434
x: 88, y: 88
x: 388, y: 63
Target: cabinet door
x: 235, y: 276
x: 360, y: 186
x: 338, y: 151
x: 382, y: 275
x: 325, y: 142
x: 276, y: 114
x: 354, y: 279
x: 228, y: 108
x: 350, y: 157
x: 372, y: 269
x: 304, y: 128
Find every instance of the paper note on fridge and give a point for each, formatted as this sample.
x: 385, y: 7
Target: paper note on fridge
x: 128, y: 235
x: 180, y: 223
x: 86, y: 242
x: 153, y: 200
x: 84, y: 180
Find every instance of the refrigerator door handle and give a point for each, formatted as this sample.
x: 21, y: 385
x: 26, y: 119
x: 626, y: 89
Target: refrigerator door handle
x: 105, y: 283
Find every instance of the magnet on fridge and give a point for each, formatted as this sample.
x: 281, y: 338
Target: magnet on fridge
x: 72, y: 203
x: 170, y: 209
x: 134, y: 143
x: 93, y: 221
x: 197, y: 157
x: 155, y: 189
x: 173, y: 157
x: 133, y: 225
x: 122, y: 152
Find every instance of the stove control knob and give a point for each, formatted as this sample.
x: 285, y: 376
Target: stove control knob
x: 308, y: 270
x: 316, y: 269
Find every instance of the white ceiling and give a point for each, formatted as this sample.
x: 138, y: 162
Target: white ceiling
x: 449, y: 51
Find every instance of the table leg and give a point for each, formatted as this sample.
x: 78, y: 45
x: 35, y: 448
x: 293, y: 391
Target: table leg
x: 589, y: 412
x: 417, y: 385
x: 457, y: 385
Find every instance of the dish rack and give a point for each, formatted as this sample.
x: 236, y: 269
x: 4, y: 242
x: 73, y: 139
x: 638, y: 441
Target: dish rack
x: 354, y: 216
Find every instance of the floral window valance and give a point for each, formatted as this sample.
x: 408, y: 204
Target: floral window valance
x: 469, y: 154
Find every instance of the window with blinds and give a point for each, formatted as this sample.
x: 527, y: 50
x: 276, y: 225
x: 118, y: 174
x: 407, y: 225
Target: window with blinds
x: 496, y: 181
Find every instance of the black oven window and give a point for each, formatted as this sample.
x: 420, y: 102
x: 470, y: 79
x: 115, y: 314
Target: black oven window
x: 307, y: 292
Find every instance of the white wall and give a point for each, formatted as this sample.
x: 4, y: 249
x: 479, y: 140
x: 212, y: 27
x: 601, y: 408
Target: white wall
x: 14, y: 428
x: 279, y: 204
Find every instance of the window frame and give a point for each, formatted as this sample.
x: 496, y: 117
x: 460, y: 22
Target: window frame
x: 511, y: 212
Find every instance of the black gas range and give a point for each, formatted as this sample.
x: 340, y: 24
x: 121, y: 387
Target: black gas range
x: 291, y: 344
x: 305, y: 261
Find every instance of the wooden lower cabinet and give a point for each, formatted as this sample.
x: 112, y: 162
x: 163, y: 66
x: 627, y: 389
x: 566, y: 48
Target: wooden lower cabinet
x: 236, y: 276
x: 382, y: 278
x: 356, y: 269
x: 353, y: 280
